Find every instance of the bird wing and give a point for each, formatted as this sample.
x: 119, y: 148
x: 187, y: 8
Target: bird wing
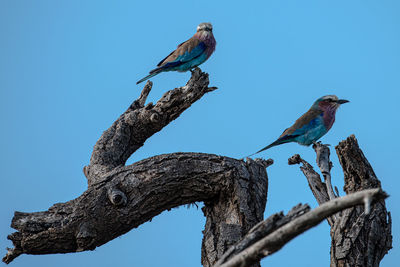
x: 185, y: 52
x: 302, y: 124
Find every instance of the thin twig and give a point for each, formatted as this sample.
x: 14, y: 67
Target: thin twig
x: 325, y: 166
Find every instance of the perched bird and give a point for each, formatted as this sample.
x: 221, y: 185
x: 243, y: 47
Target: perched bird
x: 189, y: 54
x: 312, y: 125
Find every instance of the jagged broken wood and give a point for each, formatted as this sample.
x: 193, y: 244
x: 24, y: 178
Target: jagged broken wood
x: 121, y: 197
x: 280, y: 236
x: 360, y: 236
x: 359, y: 239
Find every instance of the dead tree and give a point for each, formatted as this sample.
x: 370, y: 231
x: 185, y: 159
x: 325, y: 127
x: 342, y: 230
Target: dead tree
x: 121, y: 197
x: 359, y: 237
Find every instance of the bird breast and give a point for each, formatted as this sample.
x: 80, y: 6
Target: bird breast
x: 329, y: 117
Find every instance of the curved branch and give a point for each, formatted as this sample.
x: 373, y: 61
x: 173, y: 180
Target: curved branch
x: 150, y: 187
x: 139, y: 122
x: 120, y: 197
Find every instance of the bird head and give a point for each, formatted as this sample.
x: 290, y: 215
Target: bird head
x: 205, y: 26
x: 328, y: 102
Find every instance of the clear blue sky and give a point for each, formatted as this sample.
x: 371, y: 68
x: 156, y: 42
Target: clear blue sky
x: 68, y: 69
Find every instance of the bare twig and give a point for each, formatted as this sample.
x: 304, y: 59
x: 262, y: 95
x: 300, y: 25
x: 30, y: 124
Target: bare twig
x: 277, y: 239
x: 317, y: 187
x: 325, y: 166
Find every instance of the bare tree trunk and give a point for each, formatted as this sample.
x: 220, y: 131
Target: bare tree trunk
x: 359, y: 239
x: 234, y: 212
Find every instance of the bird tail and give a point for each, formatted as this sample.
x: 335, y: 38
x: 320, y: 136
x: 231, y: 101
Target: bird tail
x: 282, y: 140
x: 152, y: 74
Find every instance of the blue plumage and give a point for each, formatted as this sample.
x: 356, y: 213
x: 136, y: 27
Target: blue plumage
x: 188, y: 60
x: 310, y: 132
x: 189, y: 54
x: 310, y: 127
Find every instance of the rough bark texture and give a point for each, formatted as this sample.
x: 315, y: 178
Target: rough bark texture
x: 129, y: 132
x: 275, y: 240
x: 235, y: 211
x: 261, y: 230
x: 359, y: 239
x: 120, y: 197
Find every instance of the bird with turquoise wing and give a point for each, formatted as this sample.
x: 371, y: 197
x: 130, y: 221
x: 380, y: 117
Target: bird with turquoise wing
x: 189, y: 54
x: 312, y: 125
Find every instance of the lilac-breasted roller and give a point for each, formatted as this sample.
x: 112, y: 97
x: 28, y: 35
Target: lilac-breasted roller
x: 310, y: 127
x: 189, y: 54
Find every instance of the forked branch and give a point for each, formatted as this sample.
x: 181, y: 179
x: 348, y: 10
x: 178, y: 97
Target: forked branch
x: 360, y: 236
x: 121, y: 197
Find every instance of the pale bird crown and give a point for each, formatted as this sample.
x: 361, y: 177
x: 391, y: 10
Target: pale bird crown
x: 205, y: 26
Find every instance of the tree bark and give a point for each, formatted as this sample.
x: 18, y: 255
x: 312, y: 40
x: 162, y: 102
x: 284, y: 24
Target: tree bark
x: 235, y: 211
x: 359, y: 239
x: 360, y: 236
x: 258, y: 232
x: 285, y: 230
x: 121, y: 197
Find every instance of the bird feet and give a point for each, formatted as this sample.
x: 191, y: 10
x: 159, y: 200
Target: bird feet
x: 319, y: 142
x: 194, y: 69
x: 315, y: 144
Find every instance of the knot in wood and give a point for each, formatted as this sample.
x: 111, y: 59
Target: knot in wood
x: 155, y: 118
x: 117, y: 197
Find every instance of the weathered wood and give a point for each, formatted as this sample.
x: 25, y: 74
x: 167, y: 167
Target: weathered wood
x: 318, y: 188
x: 261, y: 230
x: 235, y: 211
x: 120, y: 197
x: 139, y: 122
x: 275, y: 240
x: 151, y: 186
x: 359, y: 239
x: 325, y: 166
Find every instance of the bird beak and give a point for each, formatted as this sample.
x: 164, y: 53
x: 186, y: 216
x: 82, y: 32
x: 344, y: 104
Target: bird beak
x: 342, y: 101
